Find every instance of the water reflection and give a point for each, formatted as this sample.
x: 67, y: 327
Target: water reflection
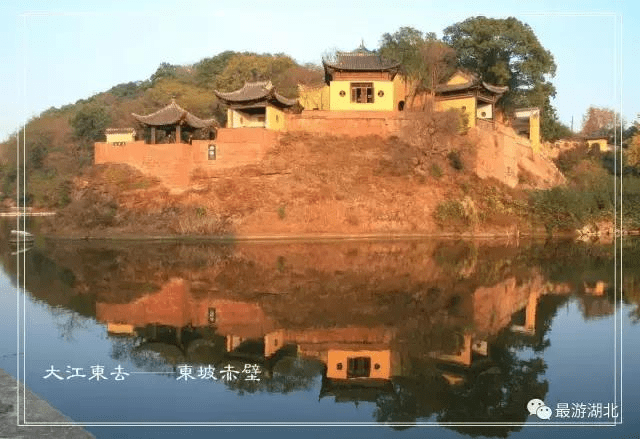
x: 423, y: 330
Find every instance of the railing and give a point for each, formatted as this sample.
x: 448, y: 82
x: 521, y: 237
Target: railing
x: 486, y: 125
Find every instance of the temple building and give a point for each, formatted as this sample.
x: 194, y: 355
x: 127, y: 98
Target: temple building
x: 120, y: 136
x: 599, y: 142
x: 360, y: 80
x: 526, y: 122
x: 465, y: 91
x: 174, y: 119
x: 257, y: 105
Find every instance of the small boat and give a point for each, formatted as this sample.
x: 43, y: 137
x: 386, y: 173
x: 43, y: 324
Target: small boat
x: 18, y: 236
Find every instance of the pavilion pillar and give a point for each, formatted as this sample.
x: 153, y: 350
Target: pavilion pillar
x: 178, y: 134
x: 153, y: 135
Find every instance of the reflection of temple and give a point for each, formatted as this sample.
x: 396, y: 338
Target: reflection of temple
x: 360, y: 356
x: 435, y: 332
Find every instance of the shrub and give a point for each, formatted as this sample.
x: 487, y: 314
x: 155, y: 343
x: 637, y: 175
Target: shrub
x: 435, y: 171
x: 281, y: 212
x: 455, y: 161
x: 201, y: 211
x: 449, y: 210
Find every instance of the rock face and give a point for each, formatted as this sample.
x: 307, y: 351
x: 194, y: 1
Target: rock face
x: 509, y: 158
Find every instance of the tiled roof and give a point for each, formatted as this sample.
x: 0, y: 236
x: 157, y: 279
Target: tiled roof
x: 497, y: 89
x: 472, y: 82
x: 250, y: 91
x: 173, y: 114
x: 119, y: 130
x: 255, y: 91
x: 360, y: 59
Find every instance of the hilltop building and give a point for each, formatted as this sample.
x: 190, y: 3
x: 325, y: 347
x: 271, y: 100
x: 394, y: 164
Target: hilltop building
x: 527, y: 124
x: 256, y: 105
x: 173, y: 118
x: 466, y: 92
x: 364, y: 94
x: 120, y: 136
x: 600, y: 142
x: 360, y: 80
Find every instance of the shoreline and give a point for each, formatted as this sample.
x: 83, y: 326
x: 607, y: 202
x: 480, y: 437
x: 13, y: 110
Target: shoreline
x: 310, y: 237
x: 40, y: 412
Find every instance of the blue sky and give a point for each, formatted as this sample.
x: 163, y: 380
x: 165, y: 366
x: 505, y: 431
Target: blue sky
x: 58, y: 52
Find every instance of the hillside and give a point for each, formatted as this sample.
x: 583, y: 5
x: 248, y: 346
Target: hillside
x: 59, y: 141
x: 305, y: 185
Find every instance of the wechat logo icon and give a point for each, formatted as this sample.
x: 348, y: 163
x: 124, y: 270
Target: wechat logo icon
x: 537, y: 407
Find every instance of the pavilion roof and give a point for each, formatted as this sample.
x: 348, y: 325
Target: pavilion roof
x: 360, y: 60
x: 173, y: 114
x: 255, y: 92
x: 473, y: 81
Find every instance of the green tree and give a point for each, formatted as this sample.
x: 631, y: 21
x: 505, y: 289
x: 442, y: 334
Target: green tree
x: 550, y: 127
x: 207, y: 70
x: 505, y: 52
x: 243, y: 68
x: 632, y: 155
x: 424, y: 58
x: 165, y: 70
x: 89, y: 123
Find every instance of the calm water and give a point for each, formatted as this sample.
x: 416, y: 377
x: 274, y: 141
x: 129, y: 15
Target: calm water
x: 403, y: 338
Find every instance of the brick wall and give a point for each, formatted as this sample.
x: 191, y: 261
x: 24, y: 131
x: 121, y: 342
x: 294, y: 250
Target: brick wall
x: 347, y: 123
x: 174, y: 163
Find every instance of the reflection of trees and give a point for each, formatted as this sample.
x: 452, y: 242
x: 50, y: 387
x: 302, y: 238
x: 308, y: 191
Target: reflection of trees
x: 287, y: 375
x: 494, y: 390
x: 68, y: 322
x: 169, y: 347
x: 424, y: 311
x: 631, y: 276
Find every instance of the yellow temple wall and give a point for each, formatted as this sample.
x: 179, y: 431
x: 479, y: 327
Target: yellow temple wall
x: 601, y: 143
x: 468, y: 102
x: 314, y: 98
x: 275, y: 119
x: 534, y: 131
x: 487, y: 109
x: 384, y: 103
x: 335, y: 357
x: 120, y: 137
x: 236, y: 119
x: 400, y: 91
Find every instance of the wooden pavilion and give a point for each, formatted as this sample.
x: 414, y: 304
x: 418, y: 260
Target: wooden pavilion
x: 173, y: 118
x: 256, y: 104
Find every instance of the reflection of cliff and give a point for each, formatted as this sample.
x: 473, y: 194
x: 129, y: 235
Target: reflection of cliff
x: 174, y: 305
x: 298, y: 284
x: 418, y: 328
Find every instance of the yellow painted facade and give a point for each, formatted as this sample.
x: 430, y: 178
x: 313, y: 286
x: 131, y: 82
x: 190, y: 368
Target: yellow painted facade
x: 601, y: 144
x: 275, y: 119
x: 400, y: 91
x: 466, y: 104
x: 121, y: 137
x: 386, y: 102
x: 532, y: 117
x: 337, y: 363
x: 238, y: 119
x: 314, y: 98
x: 119, y: 328
x: 534, y: 131
x: 484, y: 111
